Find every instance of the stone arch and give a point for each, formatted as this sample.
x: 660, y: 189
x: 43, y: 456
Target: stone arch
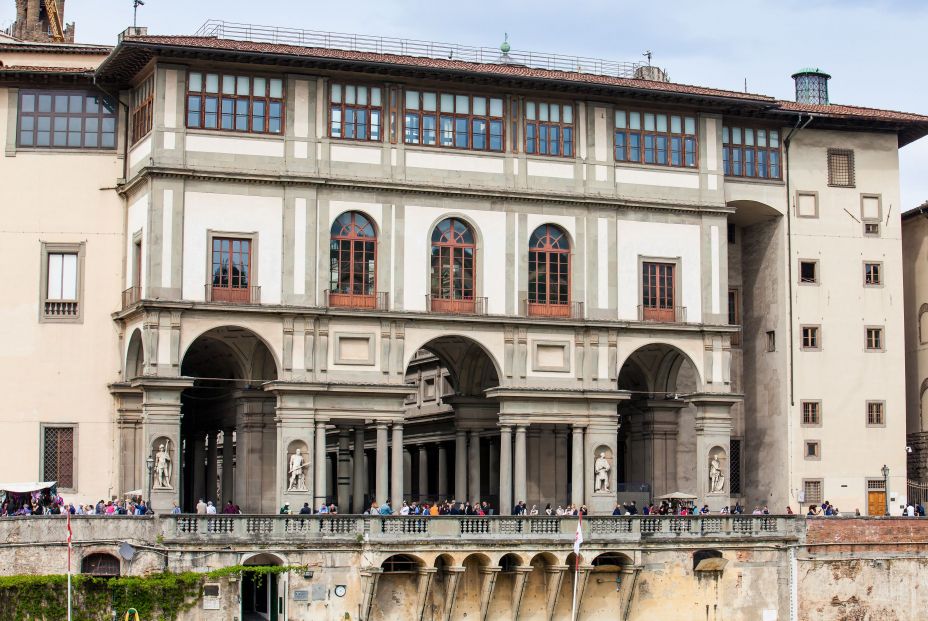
x: 472, y: 372
x: 135, y: 356
x: 263, y: 559
x: 509, y: 560
x: 537, y: 584
x: 923, y: 324
x: 701, y: 555
x: 223, y: 331
x: 607, y: 560
x: 470, y: 584
x: 401, y: 563
x: 923, y: 405
x: 665, y: 368
x: 101, y: 564
x: 258, y: 596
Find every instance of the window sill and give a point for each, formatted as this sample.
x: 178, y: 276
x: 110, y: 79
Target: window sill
x: 356, y: 141
x: 424, y: 148
x: 752, y: 180
x: 694, y: 170
x: 231, y: 134
x: 58, y: 151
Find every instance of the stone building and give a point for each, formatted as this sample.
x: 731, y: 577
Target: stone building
x: 34, y: 23
x: 354, y: 277
x: 914, y: 255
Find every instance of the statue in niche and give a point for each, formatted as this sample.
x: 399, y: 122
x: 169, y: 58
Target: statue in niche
x: 601, y: 467
x: 297, y: 476
x: 162, y: 468
x: 716, y: 478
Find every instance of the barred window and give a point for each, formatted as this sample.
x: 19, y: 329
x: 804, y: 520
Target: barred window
x: 58, y: 455
x: 238, y: 103
x: 355, y: 112
x: 549, y: 128
x: 751, y: 152
x: 101, y: 565
x: 876, y: 413
x: 470, y: 122
x: 811, y: 413
x: 66, y: 120
x: 734, y: 467
x: 142, y: 108
x: 813, y: 491
x: 651, y: 138
x: 841, y: 168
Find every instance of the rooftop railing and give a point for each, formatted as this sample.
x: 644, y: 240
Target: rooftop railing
x: 412, y: 47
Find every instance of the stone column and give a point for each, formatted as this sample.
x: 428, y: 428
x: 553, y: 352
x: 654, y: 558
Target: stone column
x: 532, y: 467
x: 473, y: 467
x: 396, y: 485
x: 576, y: 467
x: 505, y: 470
x: 249, y: 451
x: 493, y: 466
x: 212, y: 468
x: 519, y: 465
x: 320, y: 466
x: 198, y: 466
x: 561, y: 465
x: 228, y: 466
x: 489, y: 575
x: 460, y: 465
x: 344, y: 470
x: 382, y: 467
x: 713, y: 440
x: 359, y: 476
x: 442, y: 472
x: 423, y: 473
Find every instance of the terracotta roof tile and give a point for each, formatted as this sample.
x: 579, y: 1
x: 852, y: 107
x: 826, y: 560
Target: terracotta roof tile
x: 839, y: 110
x: 37, y: 69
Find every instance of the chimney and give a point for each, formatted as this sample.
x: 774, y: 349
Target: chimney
x: 652, y: 73
x: 811, y: 86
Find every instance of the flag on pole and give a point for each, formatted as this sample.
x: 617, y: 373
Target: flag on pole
x: 578, y: 539
x: 70, y: 533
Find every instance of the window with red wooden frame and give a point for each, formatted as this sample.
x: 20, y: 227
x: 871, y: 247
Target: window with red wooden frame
x: 236, y: 103
x: 549, y: 272
x: 751, y: 152
x: 472, y: 122
x: 355, y: 112
x: 656, y: 138
x: 58, y: 455
x: 549, y: 128
x: 454, y: 252
x: 353, y: 261
x: 231, y: 270
x: 657, y: 291
x: 142, y: 108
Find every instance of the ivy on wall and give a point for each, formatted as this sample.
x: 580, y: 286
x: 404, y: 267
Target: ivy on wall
x: 155, y: 596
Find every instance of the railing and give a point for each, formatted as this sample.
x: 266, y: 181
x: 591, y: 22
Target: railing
x: 375, y: 301
x: 233, y: 295
x: 131, y: 296
x: 670, y: 314
x: 411, y: 47
x: 456, y: 306
x: 570, y: 310
x: 61, y: 309
x: 414, y: 528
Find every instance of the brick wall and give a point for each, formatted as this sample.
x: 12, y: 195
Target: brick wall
x: 831, y: 535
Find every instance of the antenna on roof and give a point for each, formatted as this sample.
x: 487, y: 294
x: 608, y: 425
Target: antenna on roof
x: 135, y: 11
x: 745, y: 85
x: 647, y: 55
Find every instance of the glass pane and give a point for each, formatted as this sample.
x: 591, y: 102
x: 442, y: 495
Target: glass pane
x: 69, y: 277
x: 774, y: 138
x: 649, y: 122
x: 28, y: 103
x: 242, y: 85
x: 634, y: 120
x: 259, y: 87
x: 75, y: 105
x: 462, y: 104
x: 61, y: 103
x: 568, y: 114
x: 761, y: 137
x: 736, y: 135
x: 412, y: 100
x: 543, y: 112
x: 212, y: 83
x: 351, y: 94
x: 555, y: 113
x: 428, y: 129
x: 447, y: 102
x: 676, y: 125
x: 54, y: 276
x: 429, y: 102
x: 690, y: 125
x: 362, y: 95
x: 375, y: 96
x: 277, y: 88
x: 228, y: 85
x: 749, y: 137
x: 45, y: 103
x: 480, y: 106
x: 662, y: 122
x: 620, y: 119
x: 496, y: 107
x: 724, y: 135
x: 196, y: 81
x: 336, y: 93
x: 530, y: 110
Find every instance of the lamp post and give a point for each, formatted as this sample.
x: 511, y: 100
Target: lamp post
x: 885, y: 471
x: 150, y: 464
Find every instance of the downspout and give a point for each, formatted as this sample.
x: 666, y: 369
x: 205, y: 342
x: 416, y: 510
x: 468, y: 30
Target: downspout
x: 125, y: 143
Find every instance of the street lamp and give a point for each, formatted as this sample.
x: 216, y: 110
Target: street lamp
x: 150, y: 464
x: 885, y: 471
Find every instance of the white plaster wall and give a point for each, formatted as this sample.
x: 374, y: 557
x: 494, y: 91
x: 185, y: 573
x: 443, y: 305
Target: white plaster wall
x: 137, y: 220
x: 355, y: 155
x: 491, y: 235
x: 170, y: 98
x: 353, y: 328
x: 659, y: 240
x: 465, y: 163
x: 560, y: 170
x: 140, y: 151
x: 235, y: 146
x: 232, y: 213
x: 643, y: 176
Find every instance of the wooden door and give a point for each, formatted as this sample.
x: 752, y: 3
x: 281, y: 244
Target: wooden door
x: 876, y: 503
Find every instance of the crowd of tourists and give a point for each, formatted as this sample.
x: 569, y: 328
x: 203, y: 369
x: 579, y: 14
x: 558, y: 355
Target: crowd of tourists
x: 57, y: 506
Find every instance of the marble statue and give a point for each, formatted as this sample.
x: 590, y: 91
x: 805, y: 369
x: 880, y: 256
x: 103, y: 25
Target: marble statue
x: 163, y: 467
x: 602, y: 468
x: 716, y: 478
x: 297, y: 476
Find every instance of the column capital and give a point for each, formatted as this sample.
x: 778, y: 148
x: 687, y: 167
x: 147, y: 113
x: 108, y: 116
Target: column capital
x: 492, y: 570
x: 398, y: 426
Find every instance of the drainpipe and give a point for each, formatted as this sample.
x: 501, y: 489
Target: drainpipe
x: 125, y: 144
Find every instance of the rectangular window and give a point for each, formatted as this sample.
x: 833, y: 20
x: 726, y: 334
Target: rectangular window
x: 771, y: 340
x: 51, y: 119
x: 231, y: 270
x: 874, y: 339
x: 813, y: 449
x: 58, y: 455
x: 142, y: 108
x: 812, y: 491
x: 808, y: 272
x: 751, y: 152
x: 355, y: 112
x: 811, y: 413
x: 841, y: 168
x: 811, y: 337
x: 873, y: 274
x: 471, y: 122
x: 62, y: 282
x: 872, y: 229
x: 235, y: 103
x: 734, y: 466
x: 876, y: 414
x: 657, y: 292
x: 549, y: 128
x: 668, y: 139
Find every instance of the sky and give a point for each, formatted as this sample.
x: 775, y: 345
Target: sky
x: 870, y: 47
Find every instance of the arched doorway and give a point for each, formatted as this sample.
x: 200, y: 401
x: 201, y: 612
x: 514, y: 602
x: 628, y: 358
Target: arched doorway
x: 263, y: 595
x: 225, y: 415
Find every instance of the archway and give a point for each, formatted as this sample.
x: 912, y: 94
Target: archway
x: 397, y: 588
x: 657, y: 427
x: 224, y: 413
x: 450, y: 425
x: 135, y: 357
x: 263, y: 595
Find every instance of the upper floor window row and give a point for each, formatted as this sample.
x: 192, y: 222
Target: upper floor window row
x: 751, y: 152
x: 549, y: 128
x: 355, y: 112
x: 238, y: 103
x: 655, y: 138
x: 457, y: 121
x: 142, y: 108
x: 66, y: 120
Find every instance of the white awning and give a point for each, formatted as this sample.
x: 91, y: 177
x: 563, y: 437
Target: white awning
x: 23, y: 488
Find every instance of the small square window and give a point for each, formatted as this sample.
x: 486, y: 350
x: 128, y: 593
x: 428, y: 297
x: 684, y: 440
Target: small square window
x: 873, y: 274
x: 841, y: 168
x: 811, y: 413
x: 874, y: 339
x: 771, y: 340
x: 807, y: 204
x: 872, y: 229
x: 813, y: 449
x: 812, y: 491
x: 811, y: 337
x: 876, y: 416
x: 808, y: 272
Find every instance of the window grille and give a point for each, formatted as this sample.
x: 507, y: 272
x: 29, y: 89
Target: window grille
x: 811, y: 413
x: 841, y: 168
x: 734, y: 467
x: 875, y: 413
x: 58, y: 456
x: 103, y: 565
x: 813, y: 492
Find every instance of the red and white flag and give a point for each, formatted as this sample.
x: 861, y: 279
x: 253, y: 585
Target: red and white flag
x: 578, y: 539
x: 70, y: 533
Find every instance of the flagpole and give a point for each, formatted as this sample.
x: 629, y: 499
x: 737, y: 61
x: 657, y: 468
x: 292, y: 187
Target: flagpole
x: 69, y: 565
x: 577, y: 541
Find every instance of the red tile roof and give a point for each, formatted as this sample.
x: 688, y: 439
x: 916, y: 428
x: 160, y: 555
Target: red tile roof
x: 851, y: 112
x: 37, y: 69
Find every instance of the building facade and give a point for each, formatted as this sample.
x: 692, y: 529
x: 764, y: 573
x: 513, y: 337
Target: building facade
x: 358, y: 277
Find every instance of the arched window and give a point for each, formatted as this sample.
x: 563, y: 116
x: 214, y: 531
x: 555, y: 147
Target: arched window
x: 549, y: 272
x: 353, y: 262
x: 453, y: 254
x: 101, y: 565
